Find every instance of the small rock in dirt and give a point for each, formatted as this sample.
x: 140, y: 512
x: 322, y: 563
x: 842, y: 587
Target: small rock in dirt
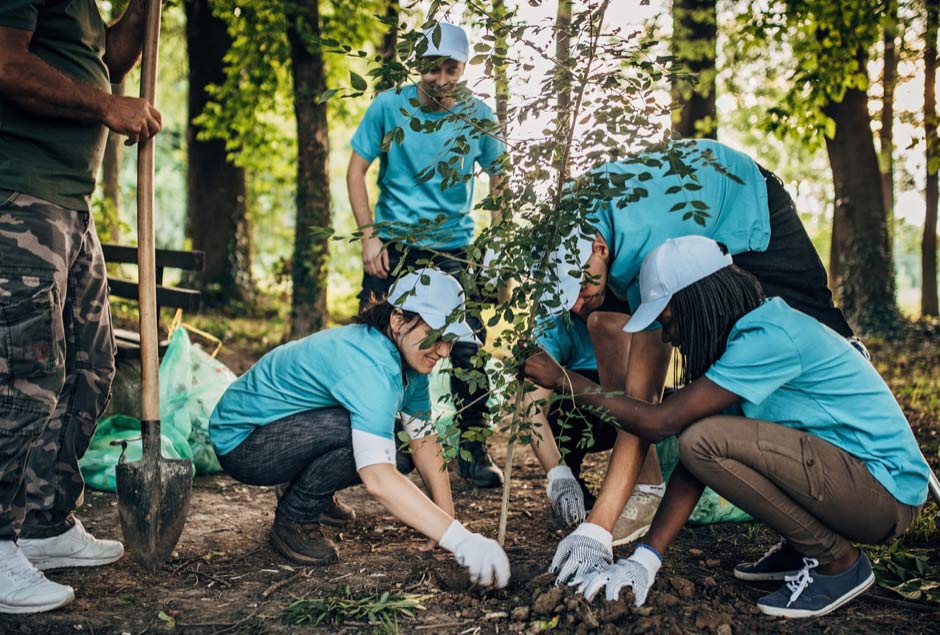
x: 615, y: 610
x: 543, y: 579
x: 571, y: 603
x: 714, y: 563
x: 589, y: 619
x: 707, y: 619
x: 709, y: 582
x: 724, y: 629
x: 466, y: 613
x: 683, y: 586
x: 666, y: 599
x: 642, y: 611
x: 520, y: 614
x: 545, y: 603
x: 696, y: 552
x: 647, y: 625
x: 495, y: 615
x: 517, y: 627
x: 559, y: 609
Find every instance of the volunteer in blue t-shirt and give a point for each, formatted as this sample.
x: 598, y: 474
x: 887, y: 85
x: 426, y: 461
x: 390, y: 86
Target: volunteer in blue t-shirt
x: 636, y: 204
x: 318, y: 415
x: 422, y: 214
x: 559, y: 426
x: 820, y: 431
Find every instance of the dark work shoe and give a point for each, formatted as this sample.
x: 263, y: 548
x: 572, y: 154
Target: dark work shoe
x: 479, y: 470
x: 780, y: 561
x: 811, y: 594
x: 302, y: 542
x: 336, y: 515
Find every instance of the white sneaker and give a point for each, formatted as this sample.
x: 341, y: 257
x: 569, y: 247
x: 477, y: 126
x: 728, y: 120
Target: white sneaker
x: 636, y: 517
x: 74, y: 548
x: 23, y: 589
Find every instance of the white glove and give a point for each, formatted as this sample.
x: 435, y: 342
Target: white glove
x: 483, y: 557
x: 582, y: 553
x: 637, y: 572
x: 565, y: 493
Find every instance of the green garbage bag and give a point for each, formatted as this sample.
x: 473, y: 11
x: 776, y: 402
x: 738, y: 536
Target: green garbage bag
x: 711, y: 507
x: 97, y: 465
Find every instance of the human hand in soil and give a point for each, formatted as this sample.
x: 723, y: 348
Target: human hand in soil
x: 543, y: 370
x: 483, y: 557
x: 585, y: 551
x: 565, y: 493
x: 636, y: 572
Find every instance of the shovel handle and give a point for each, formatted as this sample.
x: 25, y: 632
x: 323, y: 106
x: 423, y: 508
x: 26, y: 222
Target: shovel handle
x: 146, y: 260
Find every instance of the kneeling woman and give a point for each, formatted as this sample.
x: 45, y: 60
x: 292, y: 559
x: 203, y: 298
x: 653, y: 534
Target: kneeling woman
x: 822, y: 454
x: 318, y: 414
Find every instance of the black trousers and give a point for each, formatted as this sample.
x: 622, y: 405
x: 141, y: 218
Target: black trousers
x: 577, y: 431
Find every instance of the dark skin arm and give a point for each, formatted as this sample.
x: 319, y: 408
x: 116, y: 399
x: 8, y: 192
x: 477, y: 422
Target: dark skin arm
x: 653, y: 422
x: 37, y: 87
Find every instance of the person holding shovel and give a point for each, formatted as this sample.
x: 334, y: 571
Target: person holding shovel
x: 693, y: 186
x: 319, y: 415
x: 422, y: 220
x: 816, y: 429
x: 57, y: 63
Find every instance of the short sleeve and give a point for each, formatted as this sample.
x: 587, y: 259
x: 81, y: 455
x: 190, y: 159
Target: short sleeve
x: 757, y: 361
x: 372, y: 399
x: 417, y: 401
x: 553, y: 340
x: 367, y: 140
x: 20, y: 14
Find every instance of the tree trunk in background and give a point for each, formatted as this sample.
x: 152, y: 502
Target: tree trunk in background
x: 111, y: 181
x: 886, y: 135
x: 563, y: 70
x: 387, y: 47
x: 694, y: 45
x: 216, y: 205
x: 311, y: 247
x: 867, y: 291
x: 928, y: 248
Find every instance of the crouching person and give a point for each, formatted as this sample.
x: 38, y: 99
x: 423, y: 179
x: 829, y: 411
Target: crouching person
x: 822, y: 454
x: 318, y: 415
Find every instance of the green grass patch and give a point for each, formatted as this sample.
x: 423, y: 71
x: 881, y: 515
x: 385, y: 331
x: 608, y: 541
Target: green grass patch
x: 380, y: 610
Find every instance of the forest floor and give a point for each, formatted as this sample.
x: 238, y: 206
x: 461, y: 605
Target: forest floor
x: 224, y: 576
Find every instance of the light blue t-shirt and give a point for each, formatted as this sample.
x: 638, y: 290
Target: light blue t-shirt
x: 567, y: 340
x: 738, y: 212
x: 355, y: 367
x: 402, y: 199
x: 790, y: 369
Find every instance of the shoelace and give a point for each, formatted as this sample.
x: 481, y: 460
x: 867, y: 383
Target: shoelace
x: 20, y: 569
x: 798, y: 583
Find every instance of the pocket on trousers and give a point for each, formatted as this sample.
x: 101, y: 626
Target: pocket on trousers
x: 28, y: 346
x: 812, y: 466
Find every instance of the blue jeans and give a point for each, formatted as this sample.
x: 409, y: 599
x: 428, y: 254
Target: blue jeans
x: 310, y: 451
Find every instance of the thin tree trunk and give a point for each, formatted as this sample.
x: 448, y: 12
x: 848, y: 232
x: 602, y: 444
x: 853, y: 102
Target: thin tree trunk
x: 928, y: 248
x: 886, y: 135
x: 216, y: 208
x: 500, y: 75
x: 311, y: 247
x: 694, y: 45
x: 111, y: 180
x: 564, y: 67
x: 387, y: 48
x: 867, y: 287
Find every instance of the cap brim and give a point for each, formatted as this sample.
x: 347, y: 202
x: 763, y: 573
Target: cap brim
x: 464, y: 333
x: 646, y: 314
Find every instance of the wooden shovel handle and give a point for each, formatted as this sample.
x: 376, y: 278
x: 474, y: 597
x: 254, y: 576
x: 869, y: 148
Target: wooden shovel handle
x: 146, y: 259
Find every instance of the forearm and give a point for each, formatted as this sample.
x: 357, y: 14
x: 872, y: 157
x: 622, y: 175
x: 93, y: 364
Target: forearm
x: 428, y: 457
x: 622, y: 470
x: 359, y: 201
x: 543, y: 441
x: 682, y: 494
x: 404, y: 500
x: 125, y: 40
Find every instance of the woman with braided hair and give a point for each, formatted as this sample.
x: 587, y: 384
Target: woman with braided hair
x: 815, y: 429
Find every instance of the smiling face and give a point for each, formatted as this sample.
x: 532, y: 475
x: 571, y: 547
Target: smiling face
x: 410, y: 338
x: 437, y: 84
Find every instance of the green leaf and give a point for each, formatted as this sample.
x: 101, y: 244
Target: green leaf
x: 357, y: 81
x: 326, y: 94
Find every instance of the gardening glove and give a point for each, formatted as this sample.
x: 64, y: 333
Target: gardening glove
x: 565, y: 493
x: 483, y: 557
x: 637, y: 572
x: 583, y: 552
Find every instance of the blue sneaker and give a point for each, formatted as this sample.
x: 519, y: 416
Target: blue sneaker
x: 780, y: 561
x: 811, y: 594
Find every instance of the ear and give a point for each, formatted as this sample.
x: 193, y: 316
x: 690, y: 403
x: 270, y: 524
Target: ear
x: 600, y: 247
x: 395, y: 322
x: 666, y: 314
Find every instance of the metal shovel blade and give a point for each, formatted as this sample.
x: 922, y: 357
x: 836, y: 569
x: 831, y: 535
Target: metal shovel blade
x: 153, y: 502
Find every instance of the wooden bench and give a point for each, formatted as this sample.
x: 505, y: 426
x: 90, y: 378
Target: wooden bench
x: 128, y: 342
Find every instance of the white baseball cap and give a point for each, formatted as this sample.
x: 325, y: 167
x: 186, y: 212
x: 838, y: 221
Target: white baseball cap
x: 671, y: 267
x: 436, y: 297
x: 453, y: 42
x: 566, y: 266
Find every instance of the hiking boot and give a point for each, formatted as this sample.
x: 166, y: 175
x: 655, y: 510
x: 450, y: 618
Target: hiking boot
x: 636, y: 517
x: 777, y: 563
x: 808, y: 593
x: 74, y: 548
x: 337, y: 514
x: 479, y: 470
x: 302, y: 542
x: 23, y: 588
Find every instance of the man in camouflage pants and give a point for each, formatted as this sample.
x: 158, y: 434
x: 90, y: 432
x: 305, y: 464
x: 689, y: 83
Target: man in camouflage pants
x: 57, y: 61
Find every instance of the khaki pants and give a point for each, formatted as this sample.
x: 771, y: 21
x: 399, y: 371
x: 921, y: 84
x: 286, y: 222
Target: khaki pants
x: 817, y: 496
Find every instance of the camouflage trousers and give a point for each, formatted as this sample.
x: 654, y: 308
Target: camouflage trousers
x: 56, y: 360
